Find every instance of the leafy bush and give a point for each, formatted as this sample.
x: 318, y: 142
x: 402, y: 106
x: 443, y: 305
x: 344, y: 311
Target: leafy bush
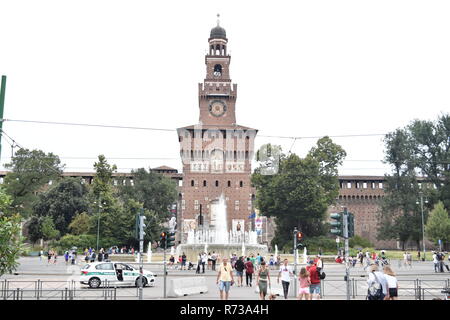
x: 84, y: 241
x: 359, y: 242
x: 321, y: 243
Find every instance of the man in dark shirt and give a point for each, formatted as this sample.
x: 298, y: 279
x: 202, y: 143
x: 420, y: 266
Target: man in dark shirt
x: 239, y: 266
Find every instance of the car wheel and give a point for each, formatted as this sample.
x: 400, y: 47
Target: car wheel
x: 144, y: 282
x: 94, y: 283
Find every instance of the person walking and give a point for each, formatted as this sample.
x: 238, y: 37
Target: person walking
x: 66, y: 257
x: 199, y: 263
x: 409, y: 259
x: 405, y: 259
x: 208, y: 267
x: 41, y: 253
x: 213, y: 261
x: 435, y: 262
x: 204, y: 258
x: 93, y: 256
x: 183, y: 261
x: 392, y: 283
x: 240, y: 266
x: 314, y: 288
x: 49, y: 256
x: 224, y: 278
x: 249, y: 270
x: 377, y: 284
x: 263, y: 280
x: 55, y: 256
x: 304, y: 284
x: 285, y: 273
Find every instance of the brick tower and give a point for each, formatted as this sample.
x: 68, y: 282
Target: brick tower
x: 216, y: 152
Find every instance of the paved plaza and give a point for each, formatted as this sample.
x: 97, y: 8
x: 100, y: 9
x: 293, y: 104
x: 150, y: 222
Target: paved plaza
x: 55, y: 278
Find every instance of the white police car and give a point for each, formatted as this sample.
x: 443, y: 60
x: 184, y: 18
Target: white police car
x: 114, y: 273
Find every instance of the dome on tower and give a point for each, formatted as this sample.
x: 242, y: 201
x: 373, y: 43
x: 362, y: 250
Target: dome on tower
x: 218, y: 33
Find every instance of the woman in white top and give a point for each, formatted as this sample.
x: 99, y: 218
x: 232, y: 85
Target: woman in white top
x: 391, y: 282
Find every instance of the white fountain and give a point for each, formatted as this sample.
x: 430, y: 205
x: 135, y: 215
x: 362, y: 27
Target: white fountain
x: 219, y: 238
x: 149, y: 253
x: 305, y: 256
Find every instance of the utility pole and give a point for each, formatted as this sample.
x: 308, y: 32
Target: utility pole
x: 98, y: 220
x: 347, y: 267
x: 295, y: 261
x: 141, y: 251
x: 2, y: 106
x: 163, y: 244
x: 423, y: 223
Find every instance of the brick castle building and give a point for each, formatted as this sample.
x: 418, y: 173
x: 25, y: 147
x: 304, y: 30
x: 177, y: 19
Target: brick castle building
x: 216, y: 152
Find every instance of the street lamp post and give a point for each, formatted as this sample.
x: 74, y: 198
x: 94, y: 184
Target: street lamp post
x: 295, y: 261
x: 423, y: 223
x: 98, y: 221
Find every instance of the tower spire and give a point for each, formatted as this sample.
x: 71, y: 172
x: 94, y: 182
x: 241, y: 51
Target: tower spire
x: 218, y: 19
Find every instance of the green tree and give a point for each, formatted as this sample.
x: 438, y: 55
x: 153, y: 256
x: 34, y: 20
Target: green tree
x: 34, y: 230
x: 80, y: 224
x: 155, y: 191
x: 10, y: 238
x: 30, y: 172
x: 300, y: 193
x: 421, y: 147
x: 10, y: 243
x: 49, y: 232
x: 105, y: 207
x: 62, y: 202
x: 438, y: 224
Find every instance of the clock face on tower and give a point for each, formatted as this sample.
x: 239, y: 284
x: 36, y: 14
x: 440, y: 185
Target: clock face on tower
x: 217, y: 108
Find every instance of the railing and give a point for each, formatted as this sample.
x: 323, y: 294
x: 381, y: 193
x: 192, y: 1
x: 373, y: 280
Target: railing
x: 60, y: 290
x: 420, y: 289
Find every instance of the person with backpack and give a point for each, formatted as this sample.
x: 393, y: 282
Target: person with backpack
x: 377, y: 284
x: 93, y: 256
x: 314, y: 288
x: 249, y: 270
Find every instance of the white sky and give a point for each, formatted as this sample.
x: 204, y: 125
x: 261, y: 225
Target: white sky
x: 303, y: 68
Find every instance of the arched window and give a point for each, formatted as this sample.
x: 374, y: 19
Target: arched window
x: 217, y: 183
x: 192, y: 183
x: 204, y: 183
x: 241, y: 184
x: 229, y: 183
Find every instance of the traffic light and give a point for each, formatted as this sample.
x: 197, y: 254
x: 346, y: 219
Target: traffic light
x: 299, y: 237
x: 337, y: 224
x: 141, y: 227
x: 170, y: 239
x: 163, y: 239
x: 351, y: 225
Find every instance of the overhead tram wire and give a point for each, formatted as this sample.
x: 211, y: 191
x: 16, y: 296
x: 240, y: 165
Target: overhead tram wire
x: 174, y: 130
